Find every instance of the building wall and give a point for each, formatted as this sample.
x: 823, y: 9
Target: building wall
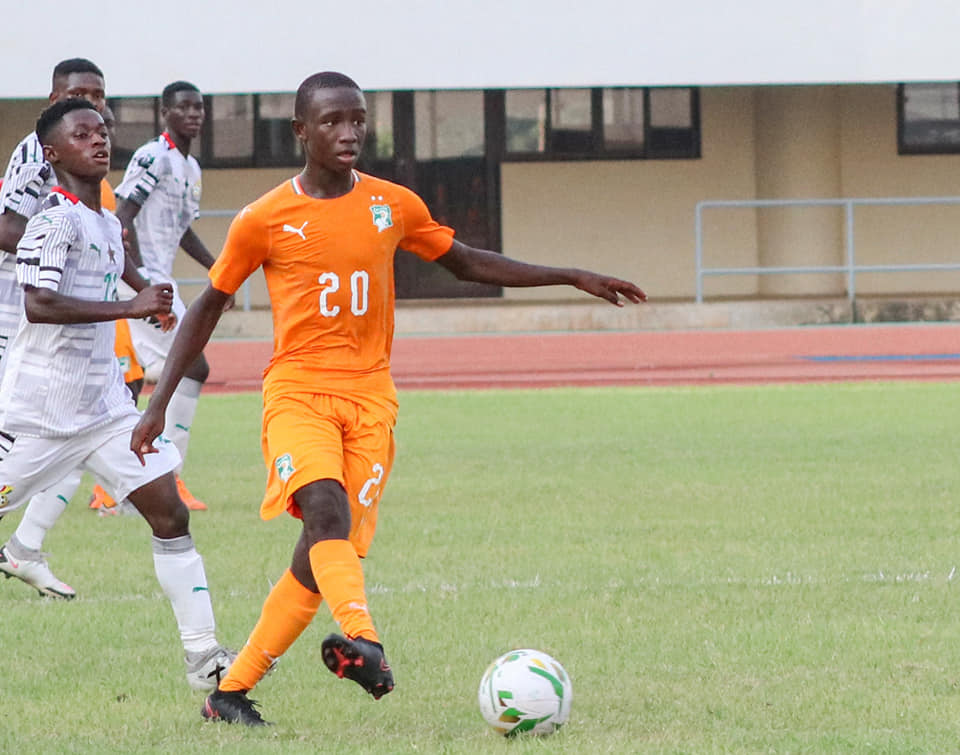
x: 635, y: 219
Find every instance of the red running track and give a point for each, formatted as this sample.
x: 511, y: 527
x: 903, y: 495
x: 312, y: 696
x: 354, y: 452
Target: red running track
x: 801, y: 354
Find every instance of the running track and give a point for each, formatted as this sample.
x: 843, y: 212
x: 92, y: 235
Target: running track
x: 701, y: 357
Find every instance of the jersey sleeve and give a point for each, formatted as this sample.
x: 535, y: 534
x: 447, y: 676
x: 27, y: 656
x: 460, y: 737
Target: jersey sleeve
x: 143, y: 173
x: 27, y: 178
x: 422, y: 235
x: 42, y: 250
x: 246, y: 249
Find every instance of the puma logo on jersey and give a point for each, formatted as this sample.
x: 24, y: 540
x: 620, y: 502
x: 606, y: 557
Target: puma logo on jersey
x: 299, y: 231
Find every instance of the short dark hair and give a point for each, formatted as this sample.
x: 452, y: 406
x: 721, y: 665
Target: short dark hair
x: 170, y: 91
x: 74, y: 65
x: 323, y: 80
x: 52, y: 116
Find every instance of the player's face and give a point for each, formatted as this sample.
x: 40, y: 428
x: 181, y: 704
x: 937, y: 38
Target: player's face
x: 185, y: 115
x: 333, y: 128
x: 89, y: 86
x: 80, y: 145
x: 110, y: 121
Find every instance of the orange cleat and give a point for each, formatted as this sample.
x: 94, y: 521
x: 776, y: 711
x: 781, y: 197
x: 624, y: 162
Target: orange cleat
x: 101, y: 501
x: 192, y: 503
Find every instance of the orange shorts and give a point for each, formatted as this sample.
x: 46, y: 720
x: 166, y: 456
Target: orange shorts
x: 123, y: 348
x: 309, y: 437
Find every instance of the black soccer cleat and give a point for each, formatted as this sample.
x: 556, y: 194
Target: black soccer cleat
x: 232, y: 707
x: 359, y: 660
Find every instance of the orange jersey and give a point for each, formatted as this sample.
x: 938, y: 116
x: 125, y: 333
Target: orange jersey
x: 108, y: 199
x: 328, y: 265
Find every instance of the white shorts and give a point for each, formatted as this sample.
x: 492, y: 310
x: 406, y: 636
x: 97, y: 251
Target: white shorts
x: 31, y: 465
x: 149, y: 342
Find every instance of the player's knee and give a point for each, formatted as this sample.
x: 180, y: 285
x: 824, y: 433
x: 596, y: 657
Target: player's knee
x: 172, y: 519
x: 199, y: 370
x: 325, y: 510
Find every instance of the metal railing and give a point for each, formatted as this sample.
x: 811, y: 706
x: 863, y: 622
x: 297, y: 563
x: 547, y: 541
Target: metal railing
x: 244, y: 296
x: 850, y: 268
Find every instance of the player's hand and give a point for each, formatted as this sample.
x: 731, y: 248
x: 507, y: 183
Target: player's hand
x: 166, y: 322
x: 145, y: 432
x: 610, y: 289
x: 153, y: 300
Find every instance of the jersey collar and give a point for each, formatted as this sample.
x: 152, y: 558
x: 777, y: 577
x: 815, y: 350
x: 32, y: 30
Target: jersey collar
x: 298, y: 187
x: 60, y: 190
x: 170, y: 143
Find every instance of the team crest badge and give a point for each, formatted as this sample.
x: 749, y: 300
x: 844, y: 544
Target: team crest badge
x: 5, y: 491
x: 284, y: 465
x: 145, y: 161
x: 382, y: 216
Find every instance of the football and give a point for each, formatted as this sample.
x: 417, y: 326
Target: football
x: 525, y: 691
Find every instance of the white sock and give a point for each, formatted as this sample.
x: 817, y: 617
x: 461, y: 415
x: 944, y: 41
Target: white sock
x: 180, y: 573
x: 179, y: 418
x: 44, y: 509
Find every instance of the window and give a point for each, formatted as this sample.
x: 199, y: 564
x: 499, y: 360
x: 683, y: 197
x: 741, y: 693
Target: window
x: 928, y: 118
x: 448, y: 146
x: 229, y: 131
x: 450, y: 171
x: 619, y: 123
x: 274, y: 141
x: 138, y: 121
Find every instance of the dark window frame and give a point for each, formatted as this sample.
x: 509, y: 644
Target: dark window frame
x: 907, y: 149
x: 598, y: 150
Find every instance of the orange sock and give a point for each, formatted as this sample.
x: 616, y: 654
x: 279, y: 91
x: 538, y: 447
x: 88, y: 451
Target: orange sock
x: 336, y: 568
x: 287, y: 611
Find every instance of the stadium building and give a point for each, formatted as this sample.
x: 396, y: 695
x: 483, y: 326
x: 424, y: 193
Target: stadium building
x: 583, y: 135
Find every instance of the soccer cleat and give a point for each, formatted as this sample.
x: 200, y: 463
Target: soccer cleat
x: 101, y: 501
x: 192, y: 503
x: 232, y: 707
x: 206, y: 668
x: 35, y: 572
x: 359, y: 660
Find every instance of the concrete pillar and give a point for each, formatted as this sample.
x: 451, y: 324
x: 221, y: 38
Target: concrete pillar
x: 798, y: 157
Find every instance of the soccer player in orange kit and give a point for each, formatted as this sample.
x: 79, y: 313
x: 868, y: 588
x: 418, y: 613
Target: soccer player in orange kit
x: 326, y: 239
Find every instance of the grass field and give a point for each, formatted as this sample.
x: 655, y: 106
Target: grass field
x: 730, y: 569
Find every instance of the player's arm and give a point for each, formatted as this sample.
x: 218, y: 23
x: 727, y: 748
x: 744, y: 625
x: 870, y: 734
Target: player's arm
x: 21, y: 200
x: 44, y: 305
x: 195, y: 330
x: 193, y: 246
x: 482, y: 266
x: 190, y: 243
x: 127, y: 210
x: 12, y: 225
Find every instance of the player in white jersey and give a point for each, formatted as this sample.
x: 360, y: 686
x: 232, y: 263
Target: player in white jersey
x: 159, y: 198
x: 27, y: 181
x: 63, y: 402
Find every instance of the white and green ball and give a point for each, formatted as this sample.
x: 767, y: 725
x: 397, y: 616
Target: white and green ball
x: 525, y: 691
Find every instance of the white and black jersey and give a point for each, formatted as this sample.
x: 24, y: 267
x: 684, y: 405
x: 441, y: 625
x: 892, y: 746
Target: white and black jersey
x: 28, y: 155
x: 64, y: 379
x: 166, y: 185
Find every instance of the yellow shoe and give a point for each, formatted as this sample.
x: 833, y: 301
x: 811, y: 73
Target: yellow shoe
x: 188, y: 498
x: 100, y: 499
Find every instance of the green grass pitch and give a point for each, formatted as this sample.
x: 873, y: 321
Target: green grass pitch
x: 719, y: 569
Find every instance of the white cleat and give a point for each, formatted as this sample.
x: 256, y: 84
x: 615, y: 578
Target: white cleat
x: 35, y: 572
x: 206, y: 668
